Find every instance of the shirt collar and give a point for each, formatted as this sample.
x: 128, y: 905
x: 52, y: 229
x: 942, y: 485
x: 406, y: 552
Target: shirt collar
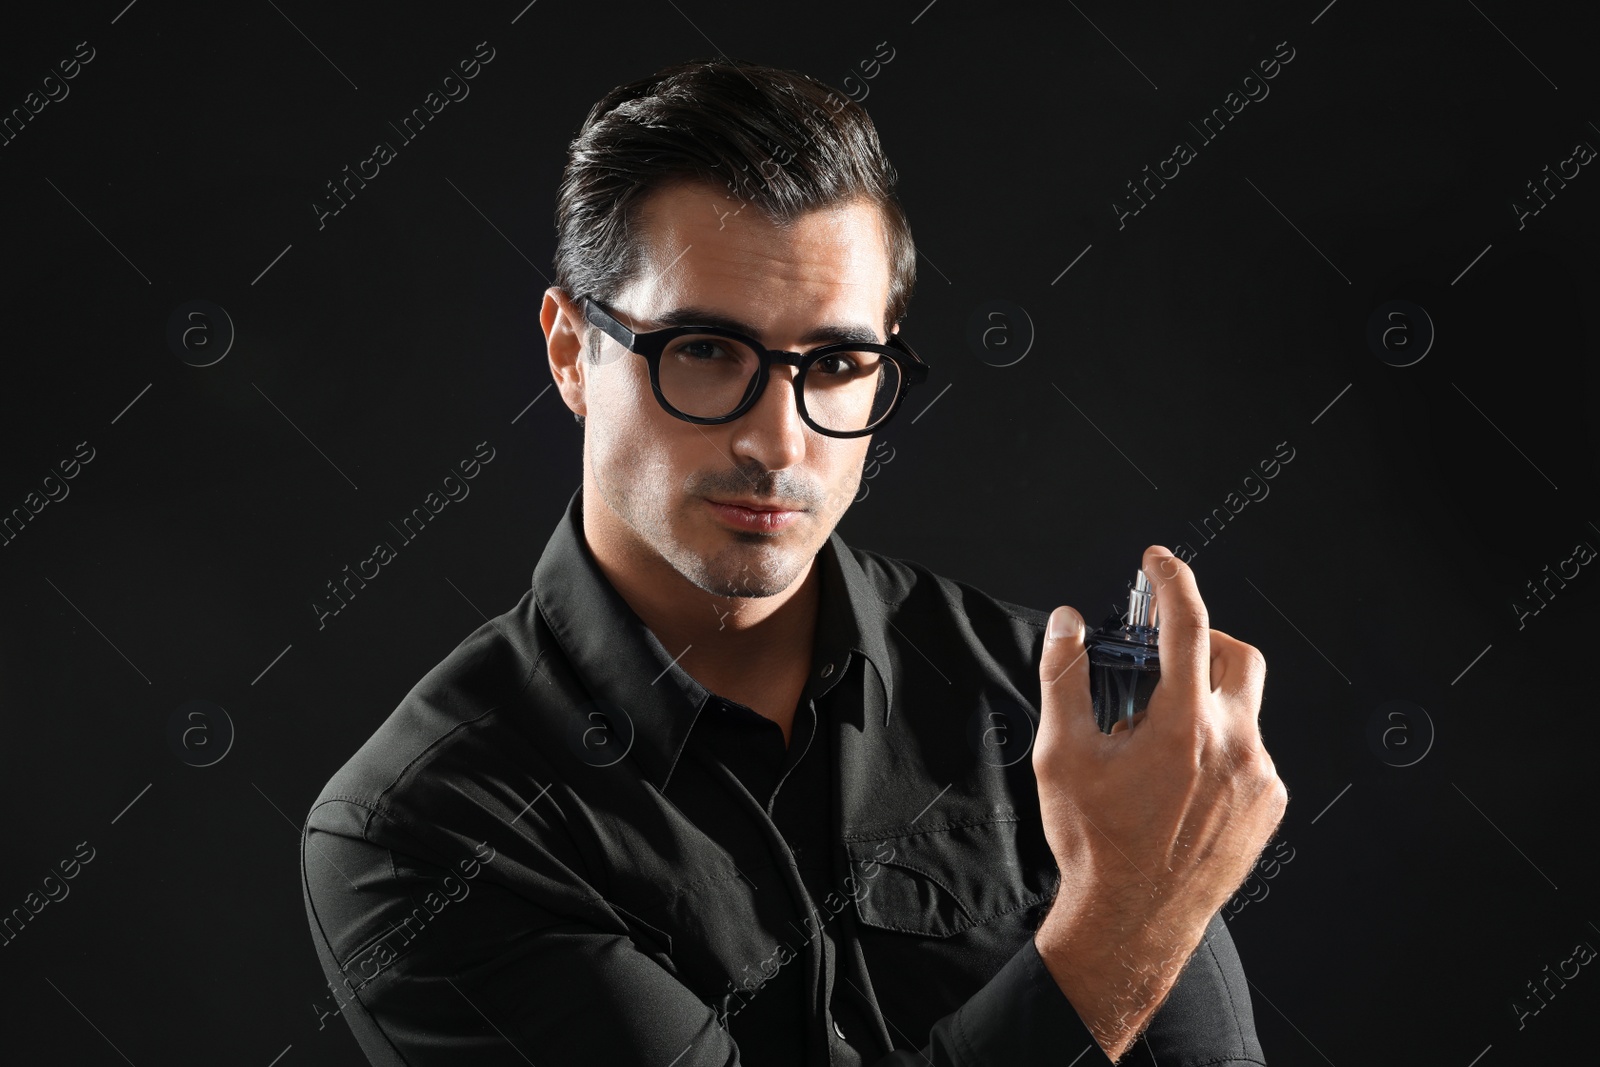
x: 622, y: 664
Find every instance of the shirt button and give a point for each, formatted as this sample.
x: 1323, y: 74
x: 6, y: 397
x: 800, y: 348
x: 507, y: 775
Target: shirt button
x: 837, y: 1030
x: 827, y: 669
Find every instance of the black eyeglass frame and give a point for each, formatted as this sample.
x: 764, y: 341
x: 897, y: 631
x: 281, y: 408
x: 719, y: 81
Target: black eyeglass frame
x: 652, y: 344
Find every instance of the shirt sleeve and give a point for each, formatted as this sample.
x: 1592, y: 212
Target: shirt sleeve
x: 1022, y: 1017
x: 429, y: 966
x: 436, y: 964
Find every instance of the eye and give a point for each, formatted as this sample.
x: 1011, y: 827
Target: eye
x: 848, y: 366
x: 703, y: 350
x: 839, y: 365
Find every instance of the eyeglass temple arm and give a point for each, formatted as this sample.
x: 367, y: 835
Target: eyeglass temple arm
x: 612, y: 328
x: 915, y: 370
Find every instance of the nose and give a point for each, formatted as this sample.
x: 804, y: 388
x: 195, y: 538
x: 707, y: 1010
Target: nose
x: 772, y: 431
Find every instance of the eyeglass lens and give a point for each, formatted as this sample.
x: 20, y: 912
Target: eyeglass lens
x: 709, y: 376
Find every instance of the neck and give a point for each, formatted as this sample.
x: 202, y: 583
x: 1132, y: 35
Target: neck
x: 734, y: 646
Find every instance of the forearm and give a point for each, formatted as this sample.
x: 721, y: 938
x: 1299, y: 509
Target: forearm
x: 1115, y: 976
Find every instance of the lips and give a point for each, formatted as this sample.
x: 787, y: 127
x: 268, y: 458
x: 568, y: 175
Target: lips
x: 756, y: 505
x: 761, y: 517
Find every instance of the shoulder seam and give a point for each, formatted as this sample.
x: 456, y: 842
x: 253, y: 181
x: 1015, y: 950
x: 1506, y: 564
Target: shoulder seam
x: 922, y: 572
x: 520, y: 690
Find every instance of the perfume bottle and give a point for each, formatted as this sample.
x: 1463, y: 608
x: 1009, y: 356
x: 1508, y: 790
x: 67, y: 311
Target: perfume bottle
x: 1124, y: 665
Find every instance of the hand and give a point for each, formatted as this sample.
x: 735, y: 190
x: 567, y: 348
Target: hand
x: 1155, y: 827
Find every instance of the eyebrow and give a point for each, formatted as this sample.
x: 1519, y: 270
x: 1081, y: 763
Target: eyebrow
x: 833, y: 333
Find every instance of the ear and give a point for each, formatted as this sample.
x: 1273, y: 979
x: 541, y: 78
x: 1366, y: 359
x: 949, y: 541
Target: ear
x: 564, y: 330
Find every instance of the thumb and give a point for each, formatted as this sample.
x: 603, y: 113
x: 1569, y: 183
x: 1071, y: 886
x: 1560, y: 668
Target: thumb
x: 1064, y: 674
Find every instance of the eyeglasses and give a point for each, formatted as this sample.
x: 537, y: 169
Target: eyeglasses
x: 708, y: 375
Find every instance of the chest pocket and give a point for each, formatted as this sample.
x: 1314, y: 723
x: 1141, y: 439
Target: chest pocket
x: 943, y: 880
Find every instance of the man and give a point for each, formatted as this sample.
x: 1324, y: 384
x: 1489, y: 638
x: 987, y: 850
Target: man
x: 723, y: 789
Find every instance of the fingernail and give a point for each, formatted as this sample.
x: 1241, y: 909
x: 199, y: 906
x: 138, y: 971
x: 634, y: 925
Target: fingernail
x: 1064, y: 622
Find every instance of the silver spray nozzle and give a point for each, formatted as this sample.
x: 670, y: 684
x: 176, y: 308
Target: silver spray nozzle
x: 1141, y: 603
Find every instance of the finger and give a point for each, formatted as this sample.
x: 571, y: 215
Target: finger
x: 1064, y: 677
x: 1238, y: 673
x: 1236, y: 667
x: 1185, y: 632
x: 1129, y: 723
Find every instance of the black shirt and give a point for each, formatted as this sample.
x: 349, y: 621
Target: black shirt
x: 562, y: 849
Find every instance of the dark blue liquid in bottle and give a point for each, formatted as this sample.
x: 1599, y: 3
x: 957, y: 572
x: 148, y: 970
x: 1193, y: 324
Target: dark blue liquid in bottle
x: 1124, y: 664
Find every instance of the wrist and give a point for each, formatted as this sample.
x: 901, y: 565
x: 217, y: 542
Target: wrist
x: 1115, y: 974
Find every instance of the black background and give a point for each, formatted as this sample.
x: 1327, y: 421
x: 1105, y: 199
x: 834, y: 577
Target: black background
x: 1228, y: 316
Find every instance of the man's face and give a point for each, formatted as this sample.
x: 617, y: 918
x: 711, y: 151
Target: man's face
x: 656, y: 473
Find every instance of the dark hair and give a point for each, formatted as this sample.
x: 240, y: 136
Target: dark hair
x: 777, y: 140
